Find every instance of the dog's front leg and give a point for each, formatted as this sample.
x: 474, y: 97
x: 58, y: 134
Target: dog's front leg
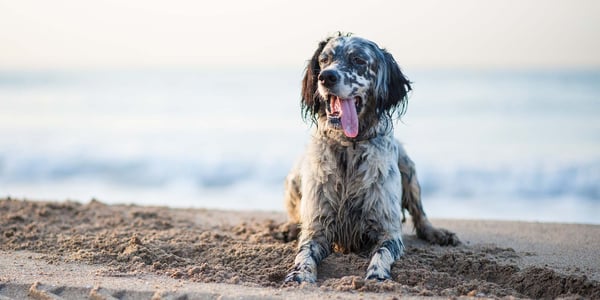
x: 310, y: 254
x: 383, y: 258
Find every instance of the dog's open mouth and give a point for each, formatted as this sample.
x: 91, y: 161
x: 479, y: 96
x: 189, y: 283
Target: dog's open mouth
x: 343, y: 112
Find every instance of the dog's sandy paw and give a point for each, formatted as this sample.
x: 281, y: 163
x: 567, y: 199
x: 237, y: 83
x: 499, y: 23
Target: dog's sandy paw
x: 378, y: 273
x: 301, y: 273
x: 299, y: 277
x: 438, y: 236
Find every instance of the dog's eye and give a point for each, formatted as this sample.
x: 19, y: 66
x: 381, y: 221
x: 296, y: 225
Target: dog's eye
x: 324, y: 60
x: 358, y: 61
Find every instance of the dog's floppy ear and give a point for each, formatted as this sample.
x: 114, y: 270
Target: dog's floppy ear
x: 310, y: 102
x: 392, y: 87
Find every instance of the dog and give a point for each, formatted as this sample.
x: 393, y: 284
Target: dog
x: 349, y: 191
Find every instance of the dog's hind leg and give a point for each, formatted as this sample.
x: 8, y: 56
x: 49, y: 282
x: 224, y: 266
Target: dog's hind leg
x: 411, y: 201
x: 292, y: 198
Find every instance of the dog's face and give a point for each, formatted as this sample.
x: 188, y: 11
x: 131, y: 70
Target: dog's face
x: 351, y: 83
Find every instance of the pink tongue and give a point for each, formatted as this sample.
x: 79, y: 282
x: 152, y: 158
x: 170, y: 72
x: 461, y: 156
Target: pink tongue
x: 349, y: 117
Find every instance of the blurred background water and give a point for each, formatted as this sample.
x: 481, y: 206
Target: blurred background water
x: 518, y: 145
x: 196, y: 104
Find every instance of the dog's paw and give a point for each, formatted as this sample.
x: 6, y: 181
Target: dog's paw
x: 299, y: 275
x: 438, y: 236
x: 378, y: 273
x: 379, y: 276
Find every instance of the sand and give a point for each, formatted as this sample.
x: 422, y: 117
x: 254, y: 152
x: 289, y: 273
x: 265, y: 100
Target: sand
x: 69, y: 250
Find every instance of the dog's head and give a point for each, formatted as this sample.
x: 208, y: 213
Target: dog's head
x: 351, y: 84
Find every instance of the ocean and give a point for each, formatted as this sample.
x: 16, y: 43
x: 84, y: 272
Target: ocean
x: 505, y: 145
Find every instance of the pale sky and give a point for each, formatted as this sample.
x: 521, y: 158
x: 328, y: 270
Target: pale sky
x: 68, y: 34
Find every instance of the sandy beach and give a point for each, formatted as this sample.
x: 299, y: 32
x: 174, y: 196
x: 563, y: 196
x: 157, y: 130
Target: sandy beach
x: 69, y: 250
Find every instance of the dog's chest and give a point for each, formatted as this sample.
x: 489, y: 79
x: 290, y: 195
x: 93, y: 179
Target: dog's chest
x: 349, y: 173
x: 353, y: 171
x: 355, y: 185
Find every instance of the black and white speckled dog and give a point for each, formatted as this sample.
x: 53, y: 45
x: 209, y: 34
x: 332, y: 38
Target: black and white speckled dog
x: 350, y: 189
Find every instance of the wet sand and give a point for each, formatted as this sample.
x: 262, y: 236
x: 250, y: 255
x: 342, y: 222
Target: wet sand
x: 54, y: 250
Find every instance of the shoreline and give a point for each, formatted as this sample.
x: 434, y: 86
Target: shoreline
x: 74, y: 250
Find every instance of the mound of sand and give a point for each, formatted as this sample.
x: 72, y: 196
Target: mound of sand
x: 252, y: 251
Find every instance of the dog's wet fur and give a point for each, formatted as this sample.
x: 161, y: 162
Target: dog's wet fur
x: 348, y: 192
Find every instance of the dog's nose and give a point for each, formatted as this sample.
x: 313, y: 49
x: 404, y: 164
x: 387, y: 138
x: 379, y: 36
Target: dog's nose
x: 328, y: 78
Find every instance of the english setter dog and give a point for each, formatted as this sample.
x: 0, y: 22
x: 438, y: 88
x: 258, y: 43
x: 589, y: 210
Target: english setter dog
x: 350, y: 189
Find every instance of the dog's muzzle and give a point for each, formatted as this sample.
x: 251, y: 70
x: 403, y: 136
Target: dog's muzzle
x: 342, y: 112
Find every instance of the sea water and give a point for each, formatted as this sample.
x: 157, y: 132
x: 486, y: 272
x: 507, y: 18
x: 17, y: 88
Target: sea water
x: 509, y: 145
